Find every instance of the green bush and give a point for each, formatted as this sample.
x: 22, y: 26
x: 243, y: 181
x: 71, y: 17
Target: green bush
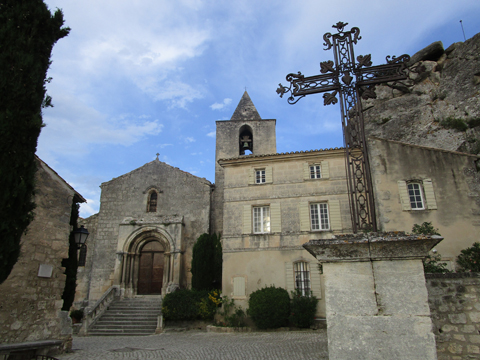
x: 469, y: 259
x: 207, y: 263
x: 425, y: 229
x: 269, y: 307
x: 77, y: 315
x: 454, y: 123
x: 431, y: 264
x: 233, y: 316
x: 303, y: 309
x: 188, y: 305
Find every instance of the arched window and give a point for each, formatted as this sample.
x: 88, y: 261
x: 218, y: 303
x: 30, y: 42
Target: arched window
x: 245, y: 140
x: 152, y: 201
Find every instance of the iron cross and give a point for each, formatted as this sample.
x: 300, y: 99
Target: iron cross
x: 350, y: 80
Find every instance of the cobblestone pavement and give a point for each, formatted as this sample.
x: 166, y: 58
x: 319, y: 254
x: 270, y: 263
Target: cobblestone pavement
x: 203, y: 345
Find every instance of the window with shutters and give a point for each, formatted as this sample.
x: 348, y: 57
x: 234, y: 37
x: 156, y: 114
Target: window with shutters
x: 302, y: 278
x: 417, y: 194
x: 319, y: 216
x: 261, y: 219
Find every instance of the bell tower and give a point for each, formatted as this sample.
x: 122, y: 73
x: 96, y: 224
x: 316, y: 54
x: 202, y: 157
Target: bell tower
x: 246, y: 133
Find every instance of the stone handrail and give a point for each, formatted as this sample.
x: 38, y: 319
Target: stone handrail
x: 93, y: 313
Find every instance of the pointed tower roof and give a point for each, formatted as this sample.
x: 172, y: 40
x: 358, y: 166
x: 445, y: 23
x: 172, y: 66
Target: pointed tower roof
x: 245, y: 109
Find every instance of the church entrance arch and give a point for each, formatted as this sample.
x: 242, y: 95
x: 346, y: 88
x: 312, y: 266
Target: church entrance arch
x: 150, y: 272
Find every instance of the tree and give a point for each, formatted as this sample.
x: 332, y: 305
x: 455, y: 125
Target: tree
x: 28, y: 32
x: 207, y: 262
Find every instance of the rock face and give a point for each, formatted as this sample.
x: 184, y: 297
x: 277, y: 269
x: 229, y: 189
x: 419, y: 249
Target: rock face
x: 438, y: 105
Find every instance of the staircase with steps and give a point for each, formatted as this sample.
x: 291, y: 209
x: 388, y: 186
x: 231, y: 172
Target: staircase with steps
x: 132, y: 317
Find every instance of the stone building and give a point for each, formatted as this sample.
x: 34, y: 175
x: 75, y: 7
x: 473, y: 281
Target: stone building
x: 143, y: 235
x: 31, y: 297
x: 267, y: 205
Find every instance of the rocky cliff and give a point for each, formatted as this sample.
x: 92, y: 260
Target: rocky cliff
x: 438, y: 105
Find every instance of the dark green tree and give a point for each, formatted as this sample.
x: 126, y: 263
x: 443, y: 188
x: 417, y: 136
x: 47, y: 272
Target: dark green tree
x: 28, y: 32
x: 71, y: 263
x: 469, y: 259
x: 207, y: 263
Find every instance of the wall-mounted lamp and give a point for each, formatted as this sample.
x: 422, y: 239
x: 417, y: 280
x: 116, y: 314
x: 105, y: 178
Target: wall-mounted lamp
x: 81, y: 235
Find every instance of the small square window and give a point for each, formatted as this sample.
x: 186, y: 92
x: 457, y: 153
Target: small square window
x: 260, y: 176
x: 416, y: 196
x: 319, y: 216
x: 315, y: 172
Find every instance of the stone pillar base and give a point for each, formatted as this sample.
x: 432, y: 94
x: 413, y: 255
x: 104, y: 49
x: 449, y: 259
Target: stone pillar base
x: 376, y: 297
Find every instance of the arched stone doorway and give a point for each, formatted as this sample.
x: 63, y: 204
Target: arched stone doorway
x: 150, y: 271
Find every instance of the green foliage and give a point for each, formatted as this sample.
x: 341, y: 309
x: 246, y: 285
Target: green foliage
x: 473, y: 122
x: 71, y: 263
x: 190, y: 305
x: 431, y: 264
x: 77, y: 315
x: 28, y: 32
x: 269, y: 307
x: 469, y: 259
x: 425, y: 229
x: 233, y: 316
x: 454, y: 123
x: 207, y: 262
x: 303, y: 309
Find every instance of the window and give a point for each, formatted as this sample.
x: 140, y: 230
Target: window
x: 415, y: 195
x: 152, y: 202
x: 261, y: 219
x: 319, y: 216
x: 260, y: 176
x: 315, y: 172
x: 82, y: 257
x: 302, y: 278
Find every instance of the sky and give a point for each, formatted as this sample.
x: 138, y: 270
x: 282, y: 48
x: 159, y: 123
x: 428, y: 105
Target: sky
x: 136, y: 78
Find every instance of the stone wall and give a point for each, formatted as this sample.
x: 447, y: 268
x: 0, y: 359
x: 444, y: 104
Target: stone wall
x: 454, y: 301
x: 123, y: 211
x: 31, y: 297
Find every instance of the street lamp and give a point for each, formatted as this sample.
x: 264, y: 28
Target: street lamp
x: 81, y: 235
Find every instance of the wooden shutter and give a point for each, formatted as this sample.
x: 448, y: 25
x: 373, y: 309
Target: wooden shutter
x: 335, y: 215
x: 251, y: 177
x: 275, y: 218
x: 304, y: 216
x: 239, y: 286
x: 268, y: 174
x: 247, y: 219
x: 325, y: 170
x: 315, y: 280
x: 289, y: 277
x: 306, y: 171
x: 403, y: 192
x: 429, y: 195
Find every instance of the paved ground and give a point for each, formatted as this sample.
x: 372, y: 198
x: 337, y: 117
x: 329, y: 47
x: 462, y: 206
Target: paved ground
x: 202, y: 345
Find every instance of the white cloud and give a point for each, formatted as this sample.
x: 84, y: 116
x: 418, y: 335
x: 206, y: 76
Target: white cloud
x: 212, y: 134
x: 164, y: 145
x: 189, y: 139
x: 221, y: 106
x: 88, y: 209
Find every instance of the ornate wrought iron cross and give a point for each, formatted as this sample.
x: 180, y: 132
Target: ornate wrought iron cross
x: 351, y: 81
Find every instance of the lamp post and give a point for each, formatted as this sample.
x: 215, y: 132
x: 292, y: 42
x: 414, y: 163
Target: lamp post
x: 81, y: 235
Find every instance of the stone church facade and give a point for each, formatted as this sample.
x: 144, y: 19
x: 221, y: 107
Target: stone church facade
x: 266, y: 205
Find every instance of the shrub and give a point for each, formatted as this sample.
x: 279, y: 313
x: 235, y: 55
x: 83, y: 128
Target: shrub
x: 188, y: 305
x: 431, y: 263
x: 233, y: 316
x: 77, y: 315
x: 269, y: 307
x: 454, y: 123
x: 207, y: 262
x: 469, y: 259
x: 426, y: 229
x: 303, y: 309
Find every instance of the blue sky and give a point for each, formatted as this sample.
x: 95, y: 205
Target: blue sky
x: 135, y: 78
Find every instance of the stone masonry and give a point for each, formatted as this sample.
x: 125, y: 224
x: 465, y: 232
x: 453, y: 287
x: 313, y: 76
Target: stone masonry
x: 454, y: 301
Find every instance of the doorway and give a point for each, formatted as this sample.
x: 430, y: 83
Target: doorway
x: 150, y: 274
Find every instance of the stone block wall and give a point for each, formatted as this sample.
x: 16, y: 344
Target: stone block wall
x: 455, y: 310
x: 31, y: 301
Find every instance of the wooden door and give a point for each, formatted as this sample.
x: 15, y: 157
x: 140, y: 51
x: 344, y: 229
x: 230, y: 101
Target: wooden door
x: 150, y: 275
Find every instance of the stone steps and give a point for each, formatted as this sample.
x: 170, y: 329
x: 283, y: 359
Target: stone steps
x: 132, y: 317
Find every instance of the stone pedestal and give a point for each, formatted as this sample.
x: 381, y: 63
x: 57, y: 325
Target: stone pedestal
x: 376, y: 297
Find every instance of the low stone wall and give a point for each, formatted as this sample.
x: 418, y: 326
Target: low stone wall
x: 455, y: 308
